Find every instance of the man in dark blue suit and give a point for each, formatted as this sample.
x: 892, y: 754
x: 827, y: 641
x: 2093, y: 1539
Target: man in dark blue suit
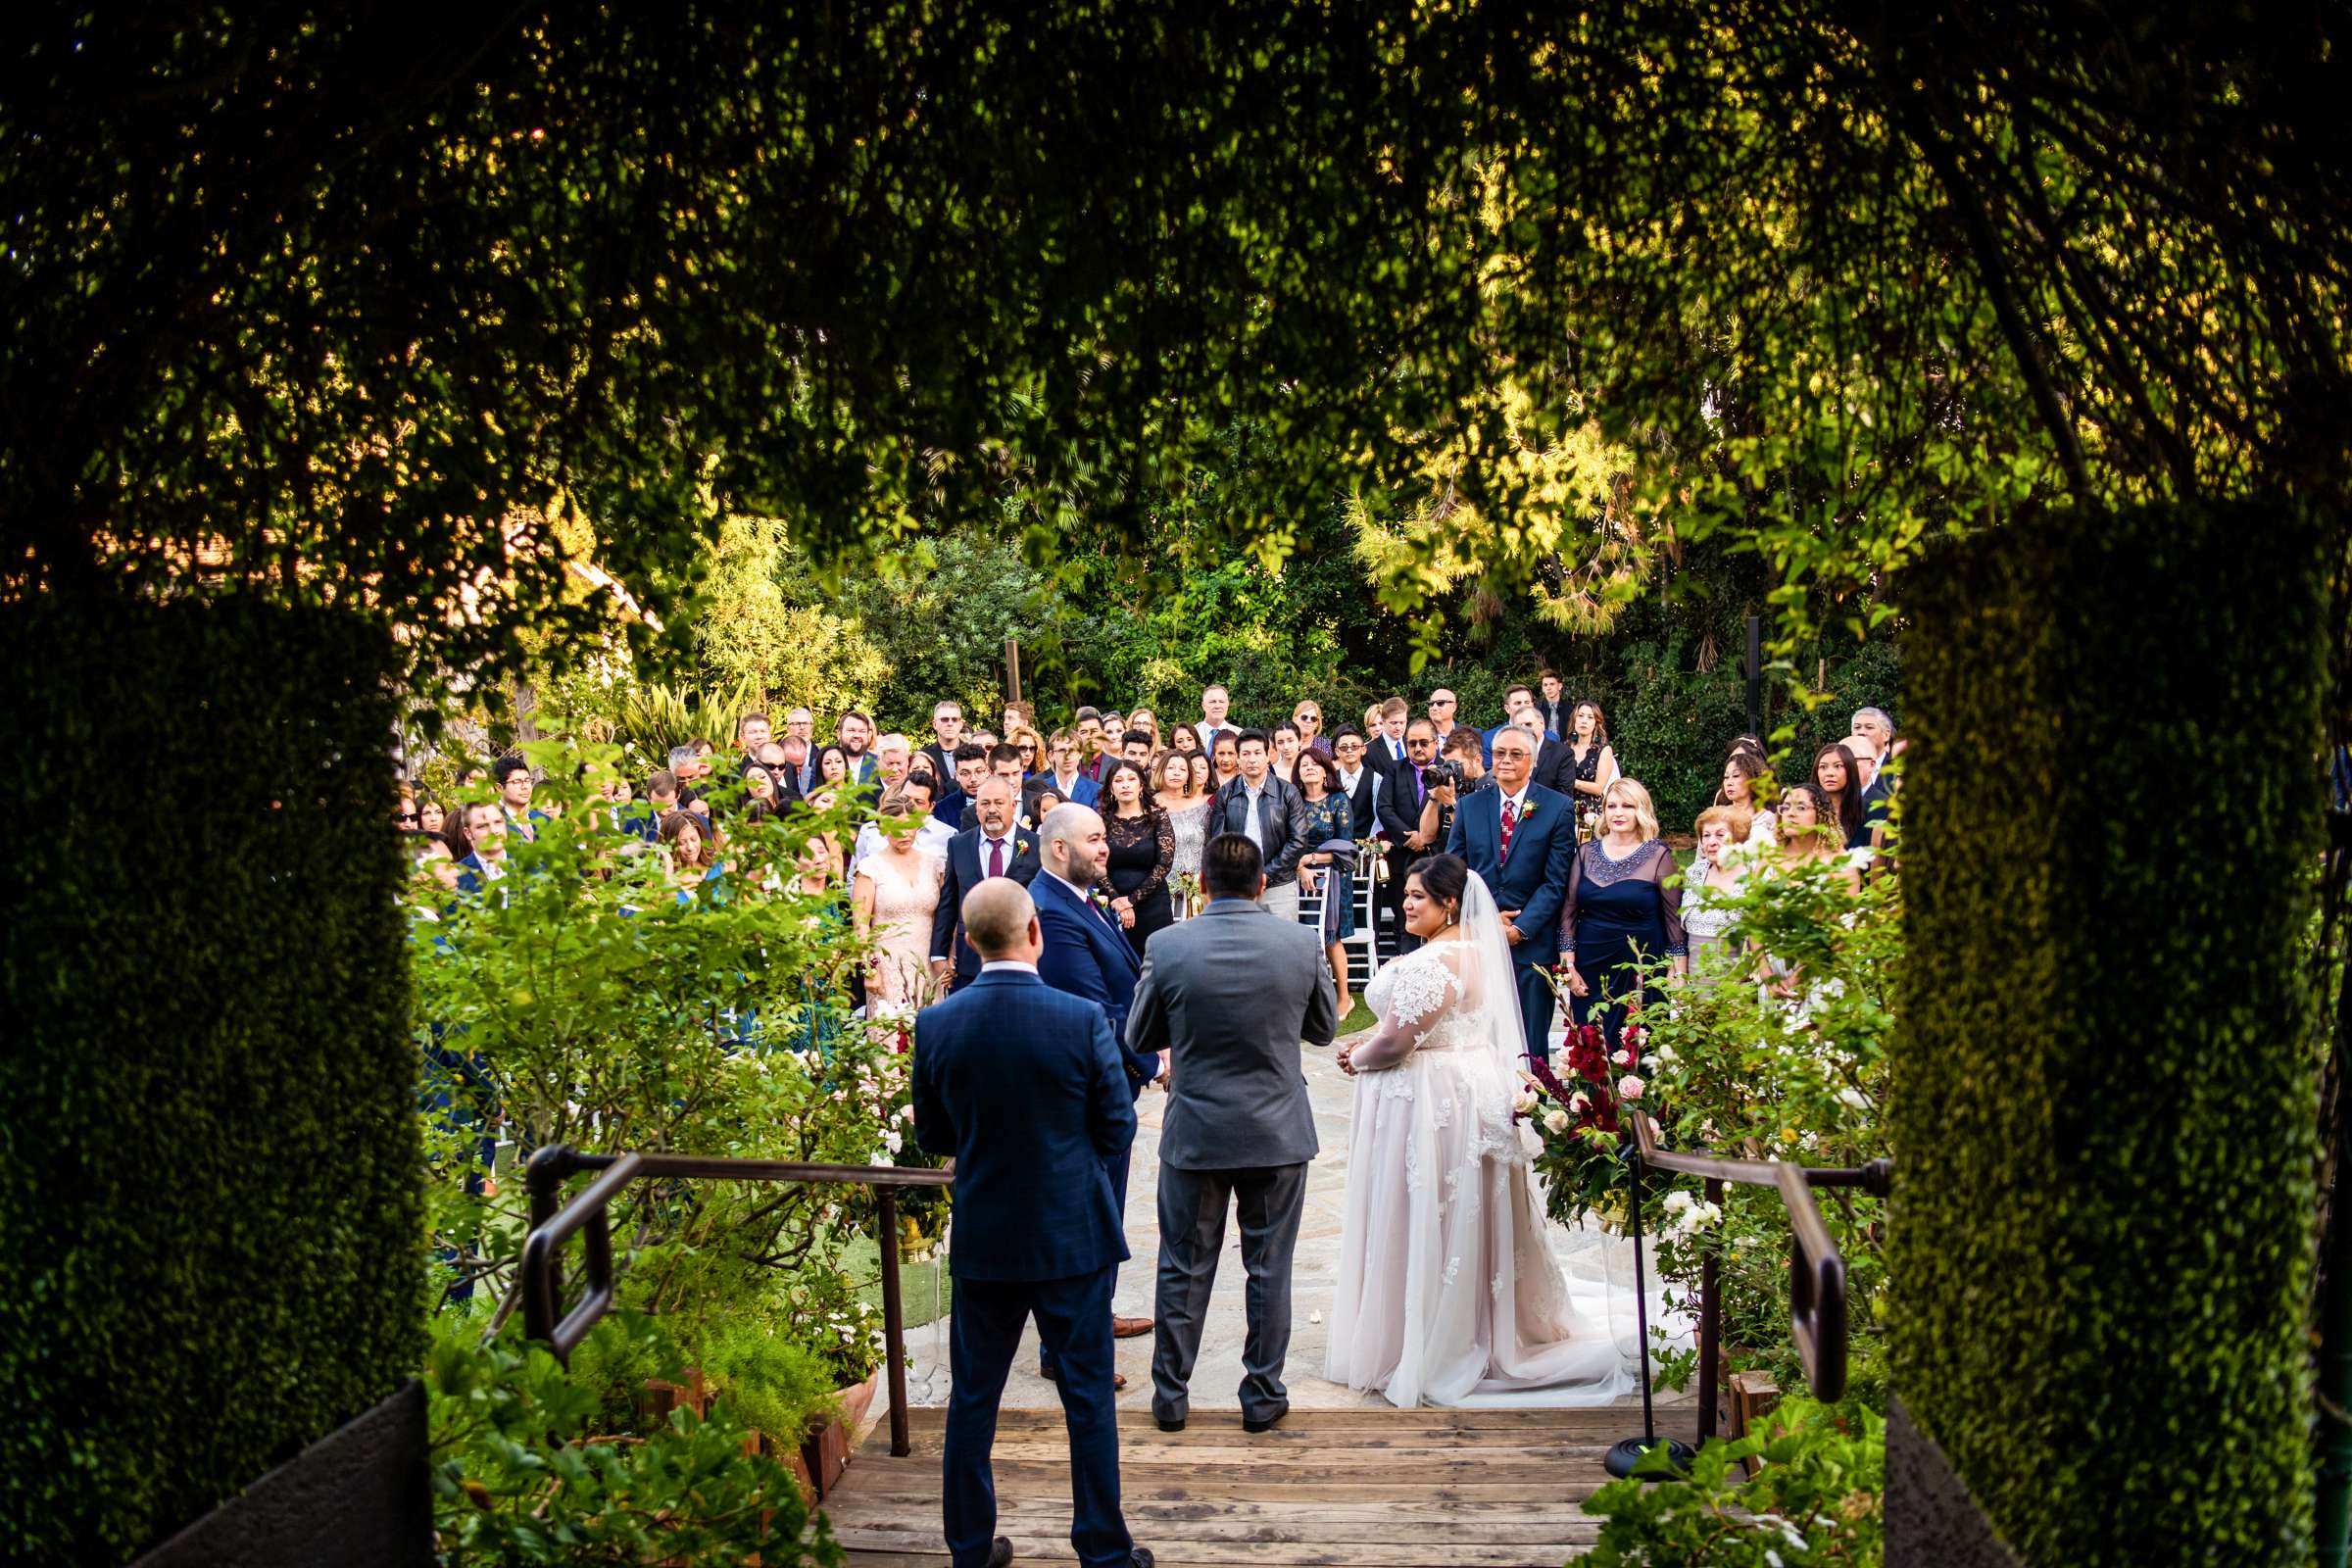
x: 994, y: 848
x: 1088, y: 954
x: 1026, y: 1088
x: 1520, y: 838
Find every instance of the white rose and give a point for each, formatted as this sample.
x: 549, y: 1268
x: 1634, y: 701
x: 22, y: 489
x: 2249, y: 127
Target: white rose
x: 1580, y: 1101
x: 1556, y: 1120
x: 1629, y: 1086
x: 893, y: 1142
x: 1677, y: 1202
x: 1524, y: 1103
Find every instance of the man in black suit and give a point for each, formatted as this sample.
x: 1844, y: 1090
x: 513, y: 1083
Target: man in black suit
x: 1400, y: 806
x: 1385, y: 752
x: 1552, y: 700
x: 946, y: 732
x: 1358, y: 780
x: 994, y: 848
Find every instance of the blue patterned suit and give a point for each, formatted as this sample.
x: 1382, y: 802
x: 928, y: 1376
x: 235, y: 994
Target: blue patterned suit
x: 1026, y: 1088
x: 1533, y: 881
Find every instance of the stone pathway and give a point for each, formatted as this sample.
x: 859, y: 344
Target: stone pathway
x: 1218, y: 1374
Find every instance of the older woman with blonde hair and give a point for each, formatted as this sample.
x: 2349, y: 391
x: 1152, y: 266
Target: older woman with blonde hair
x: 1623, y: 909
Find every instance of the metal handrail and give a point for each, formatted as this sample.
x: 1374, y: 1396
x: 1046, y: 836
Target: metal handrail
x: 1817, y: 1299
x: 553, y: 1223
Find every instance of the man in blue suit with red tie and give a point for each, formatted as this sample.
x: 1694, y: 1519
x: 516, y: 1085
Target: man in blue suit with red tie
x: 1028, y: 1089
x: 1520, y: 838
x: 1088, y: 954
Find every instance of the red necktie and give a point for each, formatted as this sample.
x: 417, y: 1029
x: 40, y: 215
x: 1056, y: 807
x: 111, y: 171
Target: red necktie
x: 1510, y: 823
x: 996, y: 856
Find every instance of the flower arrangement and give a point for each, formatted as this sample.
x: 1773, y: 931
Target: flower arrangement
x: 1582, y: 1132
x: 1185, y: 888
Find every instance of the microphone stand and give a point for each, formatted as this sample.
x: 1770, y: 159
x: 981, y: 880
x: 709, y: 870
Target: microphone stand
x: 1625, y: 1454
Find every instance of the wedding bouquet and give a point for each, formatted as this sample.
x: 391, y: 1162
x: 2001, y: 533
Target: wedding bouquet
x: 1587, y: 1082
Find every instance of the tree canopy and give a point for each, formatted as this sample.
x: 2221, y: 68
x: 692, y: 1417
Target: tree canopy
x: 322, y: 299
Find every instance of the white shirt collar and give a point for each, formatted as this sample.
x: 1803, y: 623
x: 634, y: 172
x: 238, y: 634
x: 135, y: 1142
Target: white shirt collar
x: 1016, y: 965
x: 1518, y: 802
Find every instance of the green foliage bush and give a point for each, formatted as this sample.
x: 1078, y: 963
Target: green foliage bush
x: 597, y: 1003
x: 1815, y: 1503
x: 2102, y: 1221
x: 210, y: 1219
x: 526, y: 1469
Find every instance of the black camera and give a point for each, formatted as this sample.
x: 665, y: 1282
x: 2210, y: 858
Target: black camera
x: 1441, y: 774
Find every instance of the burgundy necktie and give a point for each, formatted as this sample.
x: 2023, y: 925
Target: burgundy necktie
x: 996, y: 856
x: 1510, y: 823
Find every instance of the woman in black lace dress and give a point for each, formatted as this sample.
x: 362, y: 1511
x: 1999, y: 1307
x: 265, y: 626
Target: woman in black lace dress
x: 1592, y: 765
x: 1143, y: 850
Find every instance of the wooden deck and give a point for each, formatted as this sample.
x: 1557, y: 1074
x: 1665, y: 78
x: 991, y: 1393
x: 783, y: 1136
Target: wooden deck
x: 1378, y: 1486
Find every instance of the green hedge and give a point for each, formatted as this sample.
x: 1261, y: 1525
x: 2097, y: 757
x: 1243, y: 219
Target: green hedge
x: 2105, y: 1106
x: 210, y: 1216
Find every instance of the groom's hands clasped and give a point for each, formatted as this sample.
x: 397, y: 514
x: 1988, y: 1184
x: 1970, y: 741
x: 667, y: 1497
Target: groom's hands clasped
x: 1510, y: 927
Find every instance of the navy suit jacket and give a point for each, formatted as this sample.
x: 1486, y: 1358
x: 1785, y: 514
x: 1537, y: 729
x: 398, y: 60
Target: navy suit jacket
x: 1536, y: 880
x: 966, y: 871
x: 1088, y: 957
x: 1025, y: 1087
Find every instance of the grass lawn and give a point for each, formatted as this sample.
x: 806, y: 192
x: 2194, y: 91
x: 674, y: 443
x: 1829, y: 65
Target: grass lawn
x: 925, y: 1289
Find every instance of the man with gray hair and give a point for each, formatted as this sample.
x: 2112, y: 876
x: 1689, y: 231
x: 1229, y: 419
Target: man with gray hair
x: 1873, y: 726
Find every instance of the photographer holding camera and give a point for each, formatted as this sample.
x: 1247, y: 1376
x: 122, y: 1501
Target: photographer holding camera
x: 1462, y: 770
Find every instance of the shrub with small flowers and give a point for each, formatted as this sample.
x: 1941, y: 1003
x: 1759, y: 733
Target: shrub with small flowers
x: 602, y: 995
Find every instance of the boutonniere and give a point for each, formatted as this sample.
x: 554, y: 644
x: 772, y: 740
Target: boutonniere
x: 1020, y: 845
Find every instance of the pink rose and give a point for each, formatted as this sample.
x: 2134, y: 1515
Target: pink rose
x: 1629, y: 1086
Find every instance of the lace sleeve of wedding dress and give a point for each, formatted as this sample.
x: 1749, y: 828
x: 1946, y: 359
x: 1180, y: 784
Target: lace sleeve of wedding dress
x: 1424, y: 987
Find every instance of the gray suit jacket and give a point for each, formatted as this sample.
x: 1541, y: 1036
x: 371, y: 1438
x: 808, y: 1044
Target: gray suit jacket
x: 1231, y: 993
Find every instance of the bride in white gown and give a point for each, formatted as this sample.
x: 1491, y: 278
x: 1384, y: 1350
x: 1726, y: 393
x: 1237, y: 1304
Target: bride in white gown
x: 1449, y: 1291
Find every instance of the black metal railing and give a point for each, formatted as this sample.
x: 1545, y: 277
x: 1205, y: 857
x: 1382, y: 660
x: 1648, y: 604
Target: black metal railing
x: 554, y: 1222
x: 1817, y: 1302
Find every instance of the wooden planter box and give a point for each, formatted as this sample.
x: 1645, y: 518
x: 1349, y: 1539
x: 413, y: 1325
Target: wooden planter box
x: 816, y: 1461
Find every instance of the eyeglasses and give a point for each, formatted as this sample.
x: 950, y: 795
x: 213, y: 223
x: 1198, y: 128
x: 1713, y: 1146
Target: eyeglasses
x: 1443, y: 702
x: 406, y: 817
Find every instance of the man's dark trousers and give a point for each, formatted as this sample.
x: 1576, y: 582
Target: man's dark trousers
x: 1073, y: 1323
x: 1268, y: 1202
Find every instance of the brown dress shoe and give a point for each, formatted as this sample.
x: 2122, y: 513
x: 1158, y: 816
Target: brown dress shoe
x: 1128, y: 1328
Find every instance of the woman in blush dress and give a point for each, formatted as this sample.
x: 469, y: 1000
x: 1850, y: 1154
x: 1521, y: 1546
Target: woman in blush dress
x: 895, y: 893
x: 1449, y: 1291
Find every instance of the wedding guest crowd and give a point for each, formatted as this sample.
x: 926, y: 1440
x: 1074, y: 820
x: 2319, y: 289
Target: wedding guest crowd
x: 1538, y: 803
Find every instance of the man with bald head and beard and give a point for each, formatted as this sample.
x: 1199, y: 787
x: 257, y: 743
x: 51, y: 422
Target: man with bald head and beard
x: 1088, y: 954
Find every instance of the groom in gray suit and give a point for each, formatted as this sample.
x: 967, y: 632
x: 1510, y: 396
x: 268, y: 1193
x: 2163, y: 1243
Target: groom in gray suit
x: 1230, y: 995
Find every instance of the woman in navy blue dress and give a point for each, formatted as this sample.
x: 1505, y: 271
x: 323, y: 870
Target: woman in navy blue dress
x: 1624, y: 906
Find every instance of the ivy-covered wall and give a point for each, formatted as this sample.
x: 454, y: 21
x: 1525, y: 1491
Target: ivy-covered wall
x: 210, y: 1222
x: 2104, y: 1111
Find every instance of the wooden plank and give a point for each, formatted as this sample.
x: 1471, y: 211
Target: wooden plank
x: 1401, y: 1464
x: 1380, y: 1418
x: 1499, y: 1513
x: 1424, y: 1554
x: 1365, y: 1541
